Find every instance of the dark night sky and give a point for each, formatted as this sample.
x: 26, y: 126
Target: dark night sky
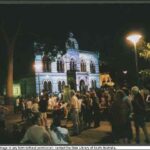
x: 97, y: 27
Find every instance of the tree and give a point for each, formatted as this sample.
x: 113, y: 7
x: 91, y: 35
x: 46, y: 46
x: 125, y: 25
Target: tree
x: 145, y: 77
x: 10, y: 44
x: 145, y: 52
x: 46, y: 49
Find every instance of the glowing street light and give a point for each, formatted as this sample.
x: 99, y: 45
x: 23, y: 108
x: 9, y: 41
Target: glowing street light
x: 38, y: 67
x: 134, y: 38
x: 124, y: 72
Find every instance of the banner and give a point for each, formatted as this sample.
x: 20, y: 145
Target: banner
x: 73, y: 147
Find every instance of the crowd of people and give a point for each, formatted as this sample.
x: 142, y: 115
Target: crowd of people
x: 85, y: 110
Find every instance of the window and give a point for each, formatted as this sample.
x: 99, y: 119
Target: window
x: 63, y: 84
x: 93, y: 84
x: 92, y: 67
x: 83, y: 66
x: 60, y: 65
x: 59, y: 86
x: 46, y: 64
x: 47, y: 86
x: 72, y: 64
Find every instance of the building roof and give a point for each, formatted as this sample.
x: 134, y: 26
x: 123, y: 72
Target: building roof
x: 85, y: 51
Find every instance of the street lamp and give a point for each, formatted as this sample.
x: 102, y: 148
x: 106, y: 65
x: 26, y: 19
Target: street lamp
x: 125, y: 75
x: 124, y: 72
x: 38, y: 68
x: 134, y: 38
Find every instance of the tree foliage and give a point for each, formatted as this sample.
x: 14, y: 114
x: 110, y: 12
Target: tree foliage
x: 52, y: 52
x: 144, y: 51
x: 145, y: 77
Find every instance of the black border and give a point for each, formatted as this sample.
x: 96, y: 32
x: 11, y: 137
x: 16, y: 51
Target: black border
x: 22, y: 2
x: 74, y: 1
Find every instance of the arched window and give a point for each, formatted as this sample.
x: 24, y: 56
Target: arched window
x: 49, y: 86
x: 45, y: 85
x: 49, y: 66
x: 44, y: 60
x: 72, y: 64
x: 46, y: 64
x: 60, y: 65
x: 83, y: 66
x: 93, y: 84
x: 92, y: 67
x: 59, y: 86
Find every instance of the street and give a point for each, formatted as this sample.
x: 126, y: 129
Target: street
x: 100, y: 135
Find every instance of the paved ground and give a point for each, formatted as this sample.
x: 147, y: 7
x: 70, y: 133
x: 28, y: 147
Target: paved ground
x: 100, y: 135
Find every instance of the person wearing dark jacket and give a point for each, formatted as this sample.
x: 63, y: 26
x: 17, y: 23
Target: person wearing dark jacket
x: 43, y: 104
x: 119, y: 118
x: 139, y: 114
x: 96, y: 109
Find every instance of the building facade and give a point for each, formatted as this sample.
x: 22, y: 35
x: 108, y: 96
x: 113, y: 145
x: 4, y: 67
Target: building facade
x: 77, y: 68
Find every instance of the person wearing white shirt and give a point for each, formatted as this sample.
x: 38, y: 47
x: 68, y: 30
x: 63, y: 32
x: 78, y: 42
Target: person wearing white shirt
x: 74, y: 108
x: 59, y: 134
x: 36, y: 134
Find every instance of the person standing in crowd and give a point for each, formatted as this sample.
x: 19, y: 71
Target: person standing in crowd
x: 95, y: 109
x: 88, y: 111
x: 23, y: 109
x: 128, y: 112
x: 43, y: 105
x: 28, y: 109
x: 74, y: 108
x: 16, y: 107
x: 3, y: 111
x: 119, y: 118
x: 103, y: 108
x: 80, y: 100
x: 35, y: 107
x: 57, y: 113
x: 127, y: 101
x: 139, y: 114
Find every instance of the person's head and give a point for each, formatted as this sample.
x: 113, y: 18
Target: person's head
x: 126, y: 91
x: 88, y: 95
x: 36, y: 119
x: 120, y: 95
x: 46, y: 95
x: 56, y: 123
x: 134, y: 90
x: 78, y: 95
x: 72, y: 93
x: 93, y: 94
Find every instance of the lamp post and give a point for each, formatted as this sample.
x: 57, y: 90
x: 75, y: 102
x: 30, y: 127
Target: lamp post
x: 38, y: 68
x: 134, y: 38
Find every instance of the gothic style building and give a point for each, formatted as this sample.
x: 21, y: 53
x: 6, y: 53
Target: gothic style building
x: 77, y: 68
